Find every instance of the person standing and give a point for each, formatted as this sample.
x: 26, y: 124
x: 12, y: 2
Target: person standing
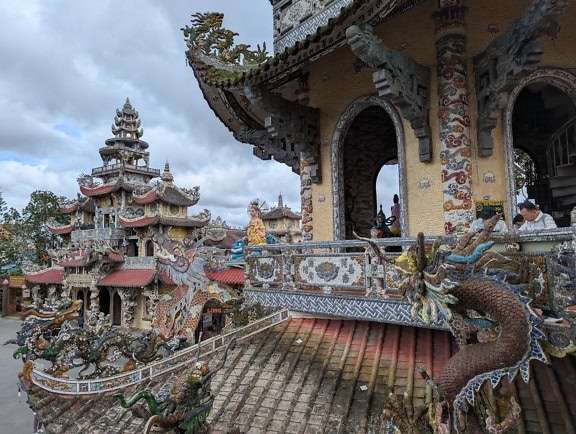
x: 534, y: 219
x: 395, y: 212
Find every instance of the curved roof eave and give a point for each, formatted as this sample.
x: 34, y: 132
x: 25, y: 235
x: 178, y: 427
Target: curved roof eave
x: 316, y: 45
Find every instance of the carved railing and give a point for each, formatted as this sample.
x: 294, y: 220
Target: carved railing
x: 347, y: 279
x: 139, y: 262
x: 179, y: 360
x: 99, y: 171
x: 103, y: 234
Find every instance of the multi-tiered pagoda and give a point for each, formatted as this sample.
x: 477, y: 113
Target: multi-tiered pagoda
x: 123, y: 214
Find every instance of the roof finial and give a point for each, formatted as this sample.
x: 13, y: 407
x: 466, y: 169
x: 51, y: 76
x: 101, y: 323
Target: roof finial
x: 280, y: 201
x: 167, y: 176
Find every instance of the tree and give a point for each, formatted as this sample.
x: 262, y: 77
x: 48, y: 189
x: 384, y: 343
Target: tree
x: 3, y: 206
x: 42, y: 208
x: 11, y: 243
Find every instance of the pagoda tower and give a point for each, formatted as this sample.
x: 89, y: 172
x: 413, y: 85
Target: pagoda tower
x: 110, y: 253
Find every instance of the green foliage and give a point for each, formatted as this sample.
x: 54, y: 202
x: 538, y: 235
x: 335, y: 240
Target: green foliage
x: 42, y: 208
x: 523, y: 170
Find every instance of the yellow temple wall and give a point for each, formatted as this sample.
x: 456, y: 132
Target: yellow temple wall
x: 334, y: 85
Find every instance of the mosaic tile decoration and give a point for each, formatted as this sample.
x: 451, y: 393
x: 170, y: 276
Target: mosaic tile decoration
x: 395, y: 312
x: 455, y: 144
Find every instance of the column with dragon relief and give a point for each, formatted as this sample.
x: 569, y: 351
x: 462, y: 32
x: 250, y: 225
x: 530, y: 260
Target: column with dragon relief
x: 94, y: 308
x: 455, y: 145
x: 306, y: 167
x: 128, y: 298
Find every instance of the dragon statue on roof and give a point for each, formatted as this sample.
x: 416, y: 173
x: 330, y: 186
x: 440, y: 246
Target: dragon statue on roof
x: 484, y: 303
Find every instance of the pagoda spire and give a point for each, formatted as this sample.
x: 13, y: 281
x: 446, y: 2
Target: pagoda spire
x: 280, y: 201
x: 127, y: 123
x: 167, y: 176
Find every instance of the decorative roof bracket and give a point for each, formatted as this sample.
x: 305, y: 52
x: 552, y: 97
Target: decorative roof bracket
x: 291, y: 129
x: 401, y: 80
x: 508, y: 59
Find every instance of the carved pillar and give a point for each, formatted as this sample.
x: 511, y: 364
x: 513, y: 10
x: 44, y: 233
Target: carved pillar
x: 455, y: 146
x: 128, y: 298
x: 307, y: 166
x: 94, y: 309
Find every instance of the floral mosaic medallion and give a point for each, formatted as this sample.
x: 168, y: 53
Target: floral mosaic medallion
x: 332, y: 271
x: 266, y: 270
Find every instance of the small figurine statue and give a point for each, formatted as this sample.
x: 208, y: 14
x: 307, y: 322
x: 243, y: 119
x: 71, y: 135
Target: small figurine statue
x: 255, y: 231
x: 380, y: 228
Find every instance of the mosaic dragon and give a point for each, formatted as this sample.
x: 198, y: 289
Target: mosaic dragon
x: 53, y: 334
x: 491, y: 318
x: 182, y: 405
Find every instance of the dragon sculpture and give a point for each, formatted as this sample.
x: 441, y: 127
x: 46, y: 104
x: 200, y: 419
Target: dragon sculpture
x: 50, y: 332
x: 480, y: 298
x: 184, y: 404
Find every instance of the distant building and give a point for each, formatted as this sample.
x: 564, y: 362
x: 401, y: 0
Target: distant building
x: 112, y: 247
x: 283, y: 223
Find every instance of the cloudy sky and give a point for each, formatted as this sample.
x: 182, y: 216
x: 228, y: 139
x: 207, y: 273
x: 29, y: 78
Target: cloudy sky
x: 67, y: 65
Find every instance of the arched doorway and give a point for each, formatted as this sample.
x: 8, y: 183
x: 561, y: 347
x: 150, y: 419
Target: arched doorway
x: 80, y: 296
x: 212, y: 320
x: 149, y: 248
x: 367, y: 137
x: 104, y: 300
x: 116, y: 309
x: 541, y: 124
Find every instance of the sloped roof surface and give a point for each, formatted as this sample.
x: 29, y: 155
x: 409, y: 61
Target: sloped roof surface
x: 232, y: 275
x: 322, y: 375
x: 52, y: 275
x: 128, y: 278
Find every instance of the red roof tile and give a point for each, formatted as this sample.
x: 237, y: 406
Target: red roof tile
x: 61, y: 230
x: 144, y: 221
x: 150, y: 197
x: 52, y: 275
x: 128, y: 278
x: 232, y: 275
x: 329, y: 375
x: 100, y: 190
x: 69, y: 207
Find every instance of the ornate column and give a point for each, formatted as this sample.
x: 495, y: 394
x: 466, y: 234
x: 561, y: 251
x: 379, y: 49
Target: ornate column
x: 128, y: 298
x: 455, y: 145
x: 306, y: 167
x: 94, y: 302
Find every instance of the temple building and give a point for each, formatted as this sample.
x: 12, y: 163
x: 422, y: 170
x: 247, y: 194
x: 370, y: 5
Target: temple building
x: 282, y: 223
x: 460, y: 331
x: 112, y: 247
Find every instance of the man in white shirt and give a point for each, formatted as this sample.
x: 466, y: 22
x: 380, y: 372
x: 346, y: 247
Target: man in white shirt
x: 534, y: 219
x: 486, y: 214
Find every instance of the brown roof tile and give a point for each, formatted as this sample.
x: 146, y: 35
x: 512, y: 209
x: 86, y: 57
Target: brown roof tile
x: 325, y: 375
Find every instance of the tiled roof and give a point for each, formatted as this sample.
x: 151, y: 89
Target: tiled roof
x: 100, y: 190
x: 321, y: 375
x: 232, y: 275
x: 280, y: 212
x: 61, y: 230
x: 52, y: 275
x: 69, y: 207
x: 232, y: 235
x: 128, y: 278
x: 73, y: 263
x: 169, y: 221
